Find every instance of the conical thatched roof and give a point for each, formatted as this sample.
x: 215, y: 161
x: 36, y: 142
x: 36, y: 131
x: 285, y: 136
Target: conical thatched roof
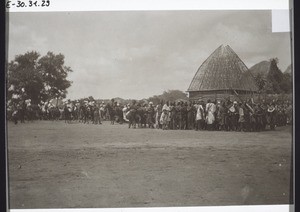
x: 223, y: 70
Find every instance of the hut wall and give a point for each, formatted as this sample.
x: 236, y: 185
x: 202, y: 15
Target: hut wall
x: 220, y: 95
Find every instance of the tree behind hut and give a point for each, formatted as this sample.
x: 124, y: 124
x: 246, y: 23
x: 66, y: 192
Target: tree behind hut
x: 272, y: 80
x: 170, y: 95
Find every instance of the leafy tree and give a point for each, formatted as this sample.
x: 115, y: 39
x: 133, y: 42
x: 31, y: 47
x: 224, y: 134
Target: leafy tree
x: 287, y: 84
x: 173, y: 95
x: 54, y: 74
x: 275, y: 76
x: 23, y: 78
x: 155, y: 99
x: 268, y: 88
x: 35, y: 78
x: 274, y: 82
x: 91, y: 98
x: 260, y: 81
x: 170, y: 95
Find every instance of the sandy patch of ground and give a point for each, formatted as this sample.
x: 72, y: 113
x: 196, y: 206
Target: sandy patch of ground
x: 58, y: 165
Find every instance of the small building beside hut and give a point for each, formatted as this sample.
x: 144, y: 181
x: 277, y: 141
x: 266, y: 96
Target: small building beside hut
x: 222, y: 75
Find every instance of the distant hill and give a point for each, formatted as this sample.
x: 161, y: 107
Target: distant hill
x: 288, y: 70
x: 262, y: 68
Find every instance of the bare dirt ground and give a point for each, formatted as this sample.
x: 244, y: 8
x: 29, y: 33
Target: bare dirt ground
x: 58, y: 165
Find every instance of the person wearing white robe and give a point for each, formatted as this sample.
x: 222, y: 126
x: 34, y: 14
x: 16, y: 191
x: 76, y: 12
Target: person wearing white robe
x: 165, y: 116
x: 200, y: 117
x: 210, y: 117
x: 125, y: 110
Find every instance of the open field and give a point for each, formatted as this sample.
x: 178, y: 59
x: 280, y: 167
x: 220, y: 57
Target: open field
x: 58, y: 165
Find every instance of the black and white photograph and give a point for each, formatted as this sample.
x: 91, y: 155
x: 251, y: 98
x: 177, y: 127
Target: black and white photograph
x: 126, y: 109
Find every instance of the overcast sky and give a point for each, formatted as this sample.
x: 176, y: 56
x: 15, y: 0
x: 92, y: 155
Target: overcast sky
x: 141, y: 54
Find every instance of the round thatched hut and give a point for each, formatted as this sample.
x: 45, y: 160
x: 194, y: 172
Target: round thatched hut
x: 223, y: 74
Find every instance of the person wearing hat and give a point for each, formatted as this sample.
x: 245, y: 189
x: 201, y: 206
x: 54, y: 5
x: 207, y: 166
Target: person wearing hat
x: 233, y: 116
x: 271, y: 113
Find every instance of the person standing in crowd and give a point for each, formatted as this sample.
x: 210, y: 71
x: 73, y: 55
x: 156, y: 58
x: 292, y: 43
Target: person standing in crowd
x: 119, y: 113
x: 218, y: 115
x: 224, y: 116
x: 143, y: 114
x: 258, y: 117
x: 216, y: 122
x: 264, y: 109
x: 125, y: 110
x: 97, y: 117
x: 131, y: 115
x: 102, y: 111
x: 178, y: 118
x: 172, y: 116
x: 110, y: 111
x: 91, y: 110
x: 190, y: 116
x: 67, y: 114
x: 250, y: 116
x: 15, y: 113
x: 164, y: 119
x: 158, y: 112
x: 184, y: 115
x: 139, y: 114
x: 241, y: 121
x: 195, y: 106
x: 210, y: 117
x: 77, y: 106
x: 272, y: 115
x: 150, y: 115
x: 233, y: 116
x: 82, y: 113
x: 169, y: 114
x: 200, y: 117
x: 22, y: 112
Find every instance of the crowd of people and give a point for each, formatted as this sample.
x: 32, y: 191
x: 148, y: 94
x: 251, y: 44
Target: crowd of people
x: 223, y: 115
x: 210, y: 115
